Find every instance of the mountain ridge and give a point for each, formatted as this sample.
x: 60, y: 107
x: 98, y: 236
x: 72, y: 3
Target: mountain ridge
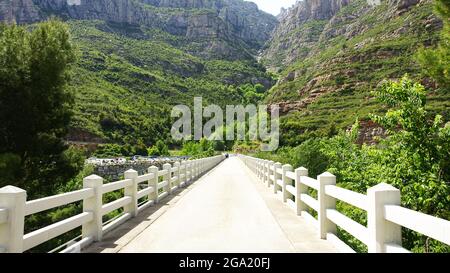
x: 240, y: 25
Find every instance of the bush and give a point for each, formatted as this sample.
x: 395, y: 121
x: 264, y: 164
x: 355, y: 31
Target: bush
x: 160, y: 149
x: 200, y: 149
x: 110, y: 150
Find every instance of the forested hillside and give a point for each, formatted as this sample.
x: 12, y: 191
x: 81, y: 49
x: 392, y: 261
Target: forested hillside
x: 128, y: 78
x: 140, y: 58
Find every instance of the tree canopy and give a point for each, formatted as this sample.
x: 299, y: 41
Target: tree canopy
x: 435, y: 62
x: 35, y: 106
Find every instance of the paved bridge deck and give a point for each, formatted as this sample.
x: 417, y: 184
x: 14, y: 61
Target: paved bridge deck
x: 226, y: 210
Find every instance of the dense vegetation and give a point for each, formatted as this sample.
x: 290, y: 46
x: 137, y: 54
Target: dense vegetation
x: 128, y: 79
x: 414, y: 158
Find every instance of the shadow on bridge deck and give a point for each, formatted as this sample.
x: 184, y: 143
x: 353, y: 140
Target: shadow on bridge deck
x: 227, y: 210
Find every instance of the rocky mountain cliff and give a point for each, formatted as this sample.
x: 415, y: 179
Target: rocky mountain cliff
x: 299, y: 29
x: 240, y: 26
x: 18, y: 10
x: 312, y: 22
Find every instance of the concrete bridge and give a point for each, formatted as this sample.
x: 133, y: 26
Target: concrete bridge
x: 241, y: 204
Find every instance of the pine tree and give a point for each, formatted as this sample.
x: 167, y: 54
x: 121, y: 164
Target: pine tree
x: 436, y: 62
x: 35, y: 107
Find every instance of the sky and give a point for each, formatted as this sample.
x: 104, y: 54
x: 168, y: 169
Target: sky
x: 273, y: 6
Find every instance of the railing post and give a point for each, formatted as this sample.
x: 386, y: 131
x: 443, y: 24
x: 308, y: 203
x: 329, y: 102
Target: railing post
x: 197, y: 168
x: 11, y: 232
x: 177, y: 173
x: 301, y: 189
x: 325, y: 202
x: 269, y: 172
x: 190, y: 168
x: 381, y: 231
x: 168, y: 177
x: 276, y: 176
x: 286, y: 180
x: 258, y: 168
x: 194, y: 163
x: 153, y: 183
x: 184, y: 172
x: 94, y: 205
x: 263, y: 172
x: 261, y: 169
x: 132, y: 191
x: 188, y: 172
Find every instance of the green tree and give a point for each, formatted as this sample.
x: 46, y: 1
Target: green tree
x: 413, y: 128
x: 252, y: 93
x: 199, y: 149
x: 140, y: 148
x: 112, y: 150
x: 435, y: 62
x: 35, y: 106
x: 414, y: 158
x: 160, y: 149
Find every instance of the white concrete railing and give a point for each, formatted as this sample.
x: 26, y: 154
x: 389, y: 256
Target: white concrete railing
x: 382, y: 203
x: 158, y: 184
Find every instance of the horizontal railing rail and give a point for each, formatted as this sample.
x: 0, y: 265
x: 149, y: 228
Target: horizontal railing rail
x: 139, y: 192
x: 385, y: 215
x: 51, y: 202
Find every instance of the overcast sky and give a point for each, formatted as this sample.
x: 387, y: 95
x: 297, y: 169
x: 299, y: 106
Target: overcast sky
x: 273, y: 6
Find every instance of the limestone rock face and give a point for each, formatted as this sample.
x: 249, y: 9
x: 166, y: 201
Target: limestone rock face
x: 19, y: 11
x: 120, y: 11
x: 311, y: 22
x: 229, y: 29
x: 191, y: 18
x: 299, y: 28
